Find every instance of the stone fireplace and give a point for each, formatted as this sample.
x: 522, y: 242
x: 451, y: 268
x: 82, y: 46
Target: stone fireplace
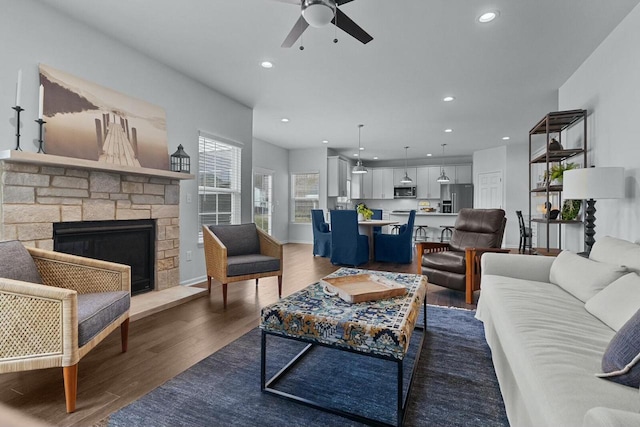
x: 40, y: 190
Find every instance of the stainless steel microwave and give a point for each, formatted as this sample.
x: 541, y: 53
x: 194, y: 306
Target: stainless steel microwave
x: 404, y: 192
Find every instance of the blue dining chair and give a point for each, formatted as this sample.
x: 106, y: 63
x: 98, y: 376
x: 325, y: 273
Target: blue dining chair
x: 377, y: 214
x: 321, y: 234
x: 348, y: 246
x: 396, y: 247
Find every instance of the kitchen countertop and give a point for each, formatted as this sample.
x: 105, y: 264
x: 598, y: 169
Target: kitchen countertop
x: 423, y: 213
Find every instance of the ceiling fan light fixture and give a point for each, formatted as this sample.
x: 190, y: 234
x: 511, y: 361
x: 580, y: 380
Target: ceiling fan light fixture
x: 318, y: 13
x: 359, y: 167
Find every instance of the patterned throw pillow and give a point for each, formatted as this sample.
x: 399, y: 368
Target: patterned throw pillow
x: 621, y: 360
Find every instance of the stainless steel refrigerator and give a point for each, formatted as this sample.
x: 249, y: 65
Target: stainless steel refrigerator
x: 459, y: 195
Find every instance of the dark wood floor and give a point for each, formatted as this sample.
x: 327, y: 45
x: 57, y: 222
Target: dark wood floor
x: 165, y: 344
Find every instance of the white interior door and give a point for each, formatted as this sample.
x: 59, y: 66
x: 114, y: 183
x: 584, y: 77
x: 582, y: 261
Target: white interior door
x: 262, y: 199
x: 490, y: 190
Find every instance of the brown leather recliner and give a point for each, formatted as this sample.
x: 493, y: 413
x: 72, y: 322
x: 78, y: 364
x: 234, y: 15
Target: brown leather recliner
x: 456, y: 264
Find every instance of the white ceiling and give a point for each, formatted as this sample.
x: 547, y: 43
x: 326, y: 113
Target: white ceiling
x: 504, y: 75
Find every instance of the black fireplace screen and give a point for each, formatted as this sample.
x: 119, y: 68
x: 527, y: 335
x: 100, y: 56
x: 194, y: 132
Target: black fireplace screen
x: 130, y: 242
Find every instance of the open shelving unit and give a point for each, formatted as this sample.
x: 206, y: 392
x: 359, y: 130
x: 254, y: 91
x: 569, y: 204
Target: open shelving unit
x: 552, y: 125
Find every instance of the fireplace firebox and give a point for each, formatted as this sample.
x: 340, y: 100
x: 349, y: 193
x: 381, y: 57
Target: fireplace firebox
x: 130, y: 242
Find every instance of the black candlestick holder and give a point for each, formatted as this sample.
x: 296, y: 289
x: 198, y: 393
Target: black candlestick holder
x: 18, y: 110
x: 41, y: 123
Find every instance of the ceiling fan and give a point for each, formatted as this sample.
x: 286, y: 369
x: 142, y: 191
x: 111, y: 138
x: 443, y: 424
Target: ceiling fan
x: 319, y: 13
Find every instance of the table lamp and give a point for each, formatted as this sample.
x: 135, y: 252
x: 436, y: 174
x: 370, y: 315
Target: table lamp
x: 591, y: 184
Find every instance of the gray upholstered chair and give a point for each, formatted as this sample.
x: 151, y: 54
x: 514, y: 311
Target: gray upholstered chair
x: 55, y: 307
x: 234, y: 253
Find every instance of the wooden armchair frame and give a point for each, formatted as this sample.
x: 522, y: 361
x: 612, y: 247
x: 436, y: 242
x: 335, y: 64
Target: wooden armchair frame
x: 45, y: 317
x: 472, y: 259
x: 215, y: 254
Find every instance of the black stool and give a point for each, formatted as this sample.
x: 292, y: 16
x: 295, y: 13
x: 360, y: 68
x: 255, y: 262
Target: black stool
x: 420, y: 230
x: 395, y: 229
x: 448, y: 230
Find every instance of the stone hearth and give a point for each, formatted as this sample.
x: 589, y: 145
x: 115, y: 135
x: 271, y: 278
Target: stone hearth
x: 34, y: 196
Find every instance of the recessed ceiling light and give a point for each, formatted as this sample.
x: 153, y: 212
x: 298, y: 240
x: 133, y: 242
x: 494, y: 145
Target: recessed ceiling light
x: 448, y: 98
x: 448, y: 130
x: 375, y: 157
x: 488, y: 16
x: 361, y: 148
x: 325, y: 141
x: 506, y: 138
x: 284, y: 120
x: 266, y: 64
x: 429, y: 155
x: 355, y: 154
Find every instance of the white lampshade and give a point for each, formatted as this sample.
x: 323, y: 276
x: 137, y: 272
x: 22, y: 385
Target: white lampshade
x: 593, y: 183
x: 318, y: 13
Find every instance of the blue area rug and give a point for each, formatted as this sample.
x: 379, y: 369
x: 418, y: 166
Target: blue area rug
x: 455, y: 384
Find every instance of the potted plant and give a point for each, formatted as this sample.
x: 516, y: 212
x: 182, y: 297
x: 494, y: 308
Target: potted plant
x: 557, y: 170
x: 364, y: 211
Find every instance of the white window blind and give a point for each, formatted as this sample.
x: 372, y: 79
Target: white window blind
x: 219, y: 166
x: 305, y: 196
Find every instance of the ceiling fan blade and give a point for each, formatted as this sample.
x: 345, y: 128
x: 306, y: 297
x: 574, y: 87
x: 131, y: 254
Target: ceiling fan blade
x: 295, y: 32
x: 348, y: 26
x: 341, y: 2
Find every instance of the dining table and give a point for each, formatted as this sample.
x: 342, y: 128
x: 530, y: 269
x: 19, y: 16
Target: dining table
x: 365, y: 227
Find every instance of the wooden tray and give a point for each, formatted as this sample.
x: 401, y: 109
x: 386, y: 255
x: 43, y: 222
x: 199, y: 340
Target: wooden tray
x: 362, y: 287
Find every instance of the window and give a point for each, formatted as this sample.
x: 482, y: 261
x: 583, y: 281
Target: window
x: 262, y: 195
x: 219, y: 168
x: 305, y: 196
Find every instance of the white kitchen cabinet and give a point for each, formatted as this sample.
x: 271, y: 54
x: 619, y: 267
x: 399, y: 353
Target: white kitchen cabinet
x: 462, y: 175
x: 361, y: 185
x: 427, y: 186
x: 398, y: 174
x: 336, y: 177
x: 382, y: 183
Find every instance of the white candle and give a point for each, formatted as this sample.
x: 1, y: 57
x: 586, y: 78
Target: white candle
x: 41, y: 102
x: 19, y: 87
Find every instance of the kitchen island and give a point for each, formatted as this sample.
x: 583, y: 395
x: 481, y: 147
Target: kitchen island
x: 432, y: 220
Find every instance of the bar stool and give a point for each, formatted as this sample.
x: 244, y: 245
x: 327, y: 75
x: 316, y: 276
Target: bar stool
x: 395, y: 229
x: 448, y: 230
x: 420, y: 230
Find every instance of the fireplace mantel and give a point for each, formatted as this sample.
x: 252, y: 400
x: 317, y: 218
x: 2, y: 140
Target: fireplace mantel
x: 69, y: 162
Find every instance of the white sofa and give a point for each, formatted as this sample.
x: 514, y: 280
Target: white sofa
x: 547, y: 347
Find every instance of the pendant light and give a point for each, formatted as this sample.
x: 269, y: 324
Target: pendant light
x: 406, y: 179
x: 443, y: 176
x: 359, y: 168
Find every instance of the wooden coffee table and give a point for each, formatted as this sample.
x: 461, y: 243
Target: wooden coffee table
x: 380, y: 329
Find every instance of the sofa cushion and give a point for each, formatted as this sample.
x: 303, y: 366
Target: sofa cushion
x: 618, y: 302
x: 617, y: 251
x: 250, y: 264
x: 241, y: 239
x: 582, y: 277
x: 621, y: 360
x: 96, y: 311
x: 16, y: 263
x: 453, y: 261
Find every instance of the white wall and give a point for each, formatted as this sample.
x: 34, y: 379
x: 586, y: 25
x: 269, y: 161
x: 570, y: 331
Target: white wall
x: 607, y: 84
x: 33, y: 33
x: 308, y: 160
x: 516, y: 191
x: 276, y: 159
